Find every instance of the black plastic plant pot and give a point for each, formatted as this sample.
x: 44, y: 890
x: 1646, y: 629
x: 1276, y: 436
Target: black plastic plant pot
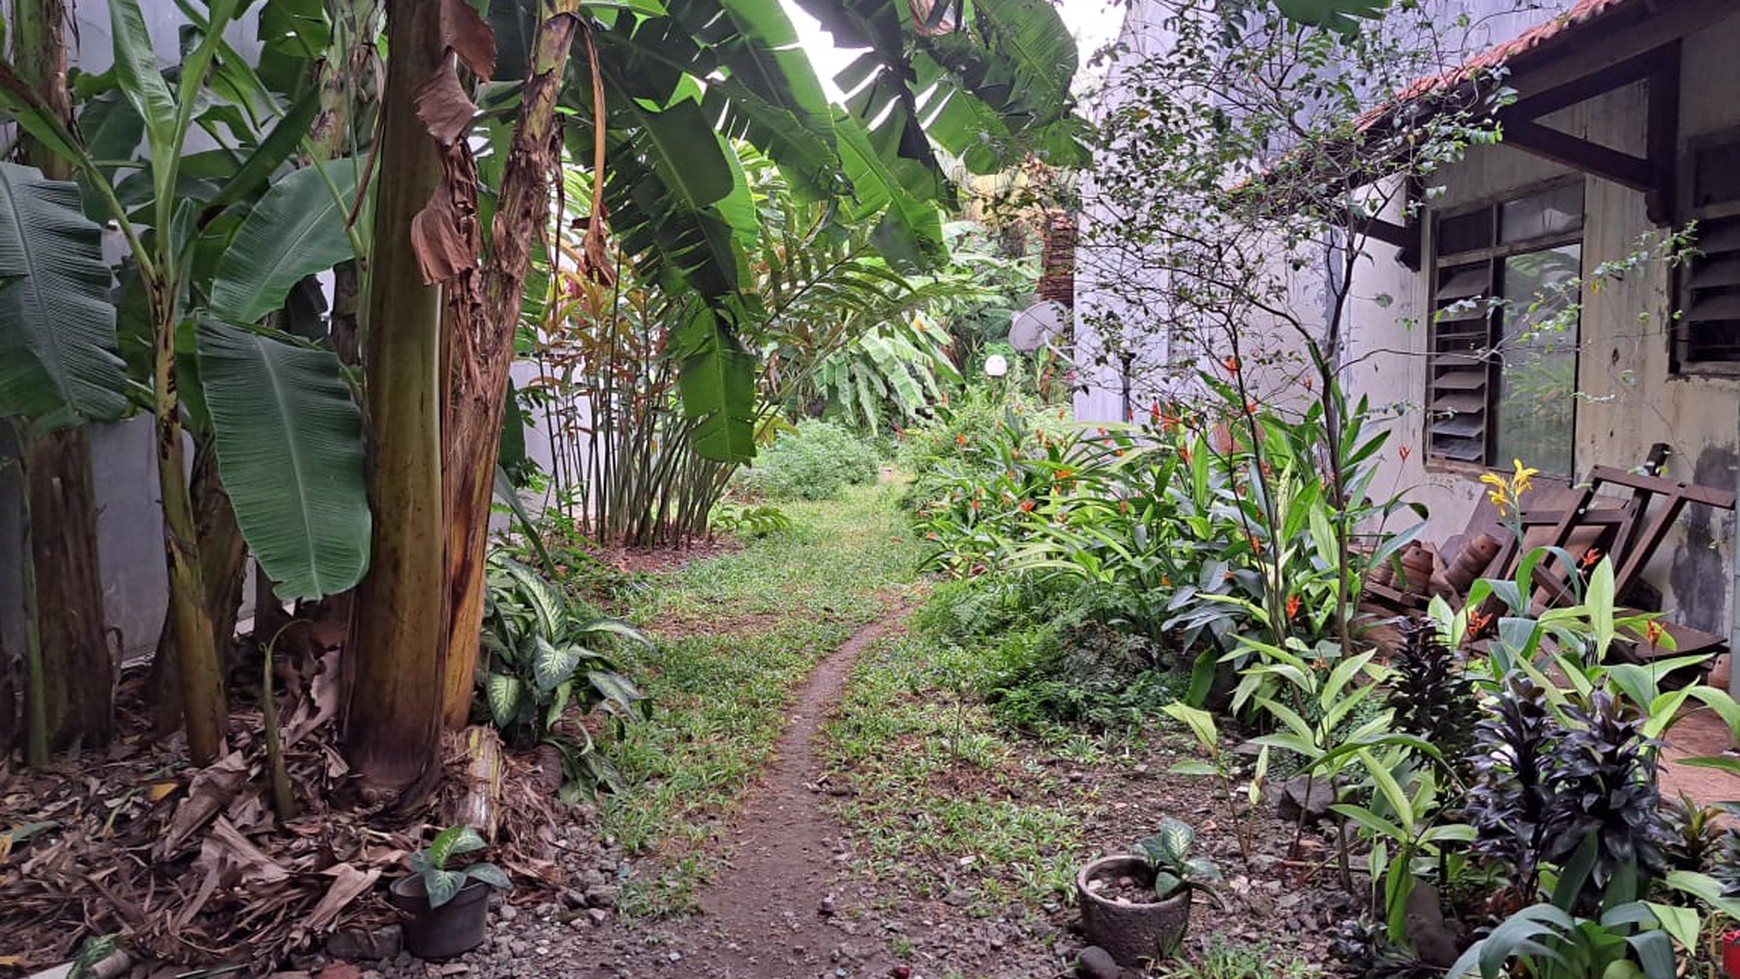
x: 1130, y: 932
x: 452, y: 929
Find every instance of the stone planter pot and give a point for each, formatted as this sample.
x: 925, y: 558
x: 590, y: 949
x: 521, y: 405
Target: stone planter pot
x: 450, y: 930
x: 1130, y: 932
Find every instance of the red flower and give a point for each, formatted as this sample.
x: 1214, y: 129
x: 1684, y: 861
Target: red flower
x: 1231, y: 364
x: 1256, y: 545
x: 1405, y: 451
x: 1589, y: 558
x: 1293, y: 604
x: 960, y: 440
x: 1652, y: 631
x: 1026, y: 506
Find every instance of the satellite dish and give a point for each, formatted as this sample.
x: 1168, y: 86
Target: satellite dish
x: 1036, y: 325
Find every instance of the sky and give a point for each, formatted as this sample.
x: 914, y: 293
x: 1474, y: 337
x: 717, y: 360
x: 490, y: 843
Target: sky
x: 1093, y: 22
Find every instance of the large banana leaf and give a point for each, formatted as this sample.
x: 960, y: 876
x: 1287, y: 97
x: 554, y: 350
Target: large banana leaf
x: 909, y: 230
x: 1019, y: 58
x: 717, y: 385
x: 296, y: 230
x: 57, y: 324
x: 289, y: 449
x: 668, y: 173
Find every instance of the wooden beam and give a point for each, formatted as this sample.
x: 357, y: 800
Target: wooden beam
x: 1581, y: 154
x: 1654, y: 25
x: 1664, y: 136
x: 1405, y: 237
x: 1598, y: 82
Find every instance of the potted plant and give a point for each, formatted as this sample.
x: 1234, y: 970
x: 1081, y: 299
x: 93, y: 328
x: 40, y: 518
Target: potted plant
x: 448, y: 906
x: 1137, y: 905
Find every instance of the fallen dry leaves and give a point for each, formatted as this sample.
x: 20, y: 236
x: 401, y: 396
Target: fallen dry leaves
x: 195, y: 868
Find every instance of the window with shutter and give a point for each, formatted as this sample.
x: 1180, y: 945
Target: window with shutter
x: 1706, y: 336
x: 1501, y: 363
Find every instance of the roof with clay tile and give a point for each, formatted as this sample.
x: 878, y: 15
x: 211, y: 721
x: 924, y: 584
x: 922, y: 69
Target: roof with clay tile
x: 1557, y: 31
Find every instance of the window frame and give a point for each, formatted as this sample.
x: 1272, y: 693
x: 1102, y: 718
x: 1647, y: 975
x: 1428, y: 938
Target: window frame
x: 1685, y: 212
x: 1493, y: 255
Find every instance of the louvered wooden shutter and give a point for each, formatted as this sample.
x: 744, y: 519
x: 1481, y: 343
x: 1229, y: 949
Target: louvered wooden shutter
x: 1709, y: 329
x: 1458, y: 373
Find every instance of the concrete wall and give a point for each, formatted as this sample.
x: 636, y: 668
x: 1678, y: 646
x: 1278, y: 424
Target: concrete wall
x: 1629, y: 398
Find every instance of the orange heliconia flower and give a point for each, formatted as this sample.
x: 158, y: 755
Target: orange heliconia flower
x: 1256, y: 545
x: 1589, y: 558
x: 1026, y: 506
x: 960, y: 440
x: 1293, y: 604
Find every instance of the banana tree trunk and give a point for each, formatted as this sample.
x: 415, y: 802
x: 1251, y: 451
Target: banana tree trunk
x: 202, y: 685
x: 78, y: 671
x: 8, y: 705
x: 223, y: 557
x: 479, y: 386
x: 399, y: 624
x: 223, y: 553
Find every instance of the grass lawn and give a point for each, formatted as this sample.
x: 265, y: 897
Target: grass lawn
x: 735, y: 633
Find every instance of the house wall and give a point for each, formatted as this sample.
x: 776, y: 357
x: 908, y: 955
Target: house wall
x: 1629, y: 398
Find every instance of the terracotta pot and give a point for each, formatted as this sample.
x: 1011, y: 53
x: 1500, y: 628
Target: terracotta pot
x: 1130, y: 932
x: 452, y: 929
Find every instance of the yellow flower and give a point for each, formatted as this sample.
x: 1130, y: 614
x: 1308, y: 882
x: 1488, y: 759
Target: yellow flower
x: 1507, y: 491
x: 1524, y: 478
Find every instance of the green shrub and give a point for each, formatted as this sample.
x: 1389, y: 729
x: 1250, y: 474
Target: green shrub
x: 812, y: 462
x: 1084, y: 675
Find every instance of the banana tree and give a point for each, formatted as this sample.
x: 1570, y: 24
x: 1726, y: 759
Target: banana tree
x: 72, y: 673
x: 168, y: 237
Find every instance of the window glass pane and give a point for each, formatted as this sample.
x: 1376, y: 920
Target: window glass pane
x: 1551, y: 212
x: 1538, y: 351
x: 1465, y: 232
